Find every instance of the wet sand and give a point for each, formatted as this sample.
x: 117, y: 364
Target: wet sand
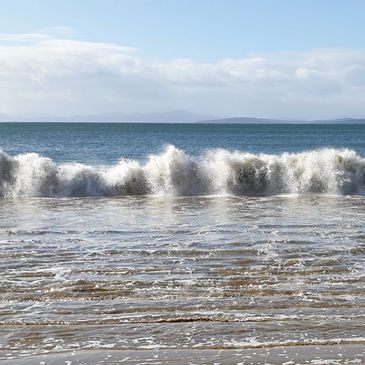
x: 290, y: 355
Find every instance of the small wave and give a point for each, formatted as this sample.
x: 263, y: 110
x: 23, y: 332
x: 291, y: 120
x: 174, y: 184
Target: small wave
x: 173, y: 172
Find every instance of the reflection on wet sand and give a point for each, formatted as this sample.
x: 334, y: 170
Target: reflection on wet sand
x: 180, y: 273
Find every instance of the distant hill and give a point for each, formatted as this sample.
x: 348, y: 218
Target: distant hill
x: 249, y: 120
x: 176, y: 116
x: 244, y: 120
x: 343, y: 121
x: 5, y: 118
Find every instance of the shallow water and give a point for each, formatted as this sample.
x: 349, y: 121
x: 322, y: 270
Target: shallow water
x: 181, y: 272
x: 231, y: 238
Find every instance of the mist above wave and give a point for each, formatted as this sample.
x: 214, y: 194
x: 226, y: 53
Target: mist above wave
x: 173, y: 172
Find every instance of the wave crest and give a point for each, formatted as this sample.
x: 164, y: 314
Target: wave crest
x: 173, y: 172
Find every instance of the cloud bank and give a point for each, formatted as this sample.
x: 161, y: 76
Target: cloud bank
x: 50, y: 75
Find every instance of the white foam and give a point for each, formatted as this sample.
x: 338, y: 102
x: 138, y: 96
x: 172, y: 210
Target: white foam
x: 217, y: 172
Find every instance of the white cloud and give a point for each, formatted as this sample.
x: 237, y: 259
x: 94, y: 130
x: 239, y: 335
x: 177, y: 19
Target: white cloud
x: 42, y: 73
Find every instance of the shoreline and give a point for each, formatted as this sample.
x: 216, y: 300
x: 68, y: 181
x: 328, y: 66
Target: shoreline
x: 289, y: 355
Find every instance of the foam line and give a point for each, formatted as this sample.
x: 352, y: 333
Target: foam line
x: 173, y: 172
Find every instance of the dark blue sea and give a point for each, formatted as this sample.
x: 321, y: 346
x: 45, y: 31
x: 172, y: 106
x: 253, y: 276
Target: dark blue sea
x: 106, y: 143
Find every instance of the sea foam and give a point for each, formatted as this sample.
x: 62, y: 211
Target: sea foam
x: 173, y: 172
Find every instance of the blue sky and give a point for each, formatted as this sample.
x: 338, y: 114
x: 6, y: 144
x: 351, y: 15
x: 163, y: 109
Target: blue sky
x: 273, y: 58
x: 201, y: 29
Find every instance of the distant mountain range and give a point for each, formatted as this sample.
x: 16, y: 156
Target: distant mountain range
x: 176, y: 116
x: 249, y: 120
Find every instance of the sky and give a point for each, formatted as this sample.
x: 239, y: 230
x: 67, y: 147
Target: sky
x: 259, y: 58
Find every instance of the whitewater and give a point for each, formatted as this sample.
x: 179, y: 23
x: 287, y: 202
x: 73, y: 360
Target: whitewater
x: 139, y: 238
x: 174, y: 172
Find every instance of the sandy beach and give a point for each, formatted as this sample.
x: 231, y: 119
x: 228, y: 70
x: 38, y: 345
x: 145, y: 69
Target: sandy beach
x: 291, y: 355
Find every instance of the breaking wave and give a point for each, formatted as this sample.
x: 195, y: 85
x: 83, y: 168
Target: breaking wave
x: 173, y: 172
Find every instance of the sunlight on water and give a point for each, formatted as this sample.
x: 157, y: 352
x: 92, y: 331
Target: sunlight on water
x: 186, y: 272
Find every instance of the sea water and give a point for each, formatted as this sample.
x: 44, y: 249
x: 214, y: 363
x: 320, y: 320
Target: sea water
x: 140, y: 236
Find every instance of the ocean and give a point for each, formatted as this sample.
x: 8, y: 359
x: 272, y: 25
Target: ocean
x: 180, y: 236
